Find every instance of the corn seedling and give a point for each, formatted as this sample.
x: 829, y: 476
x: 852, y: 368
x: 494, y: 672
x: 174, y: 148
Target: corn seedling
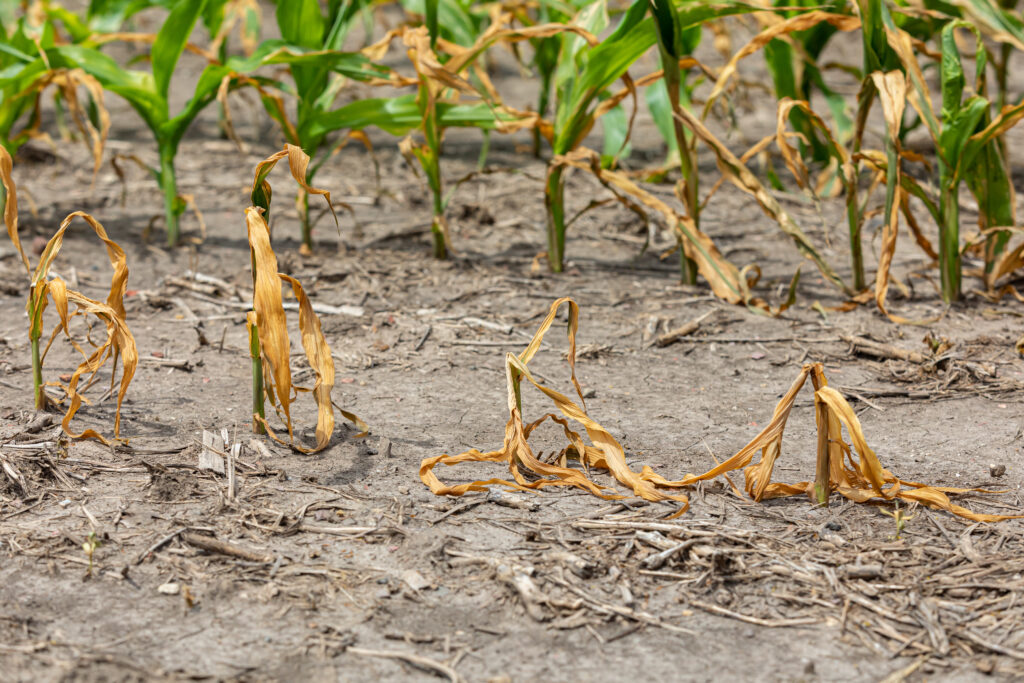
x: 859, y: 479
x: 735, y: 170
x: 900, y: 517
x: 148, y: 93
x: 267, y: 326
x: 119, y: 343
x: 585, y: 73
x: 89, y: 547
x: 445, y: 98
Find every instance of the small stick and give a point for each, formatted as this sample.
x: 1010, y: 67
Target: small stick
x: 672, y: 336
x: 230, y: 466
x: 872, y: 348
x: 349, y: 530
x: 504, y: 328
x: 415, y: 660
x: 771, y: 623
x: 212, y: 545
x: 423, y: 339
x: 159, y: 544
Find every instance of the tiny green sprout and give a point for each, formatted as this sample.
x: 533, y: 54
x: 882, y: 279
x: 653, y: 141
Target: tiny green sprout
x: 901, y: 518
x: 91, y: 543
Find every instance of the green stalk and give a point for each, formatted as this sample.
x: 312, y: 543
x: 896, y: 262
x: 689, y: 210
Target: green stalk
x: 554, y: 202
x: 436, y: 226
x: 34, y: 333
x: 37, y: 375
x: 255, y: 354
x: 856, y: 249
x: 949, y: 240
x: 169, y: 186
x: 542, y: 107
x: 307, y: 227
x: 821, y: 475
x: 688, y: 167
x: 853, y: 217
x: 257, y: 380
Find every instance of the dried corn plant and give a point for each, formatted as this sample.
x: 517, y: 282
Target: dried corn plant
x: 853, y: 471
x: 527, y: 469
x: 119, y: 344
x: 269, y: 346
x: 859, y: 479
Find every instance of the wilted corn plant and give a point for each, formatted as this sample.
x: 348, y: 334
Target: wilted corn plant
x: 267, y: 326
x: 735, y: 170
x: 119, y: 343
x: 604, y: 452
x: 446, y: 97
x: 861, y: 480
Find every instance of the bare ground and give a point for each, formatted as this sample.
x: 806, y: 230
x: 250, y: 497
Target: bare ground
x: 343, y: 566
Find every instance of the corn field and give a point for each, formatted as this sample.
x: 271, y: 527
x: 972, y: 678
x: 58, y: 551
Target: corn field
x: 710, y: 199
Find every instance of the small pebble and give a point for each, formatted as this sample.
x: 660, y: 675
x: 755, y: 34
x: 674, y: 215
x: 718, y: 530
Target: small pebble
x: 997, y: 470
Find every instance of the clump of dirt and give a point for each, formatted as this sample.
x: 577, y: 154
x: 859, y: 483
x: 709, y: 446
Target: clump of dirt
x: 171, y: 486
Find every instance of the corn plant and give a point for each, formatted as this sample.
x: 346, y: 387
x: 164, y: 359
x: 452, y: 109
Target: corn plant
x: 587, y: 69
x: 967, y: 141
x: 24, y: 78
x: 119, y: 344
x: 317, y: 78
x: 148, y: 94
x: 446, y: 97
x: 675, y: 44
x: 850, y: 468
x: 269, y: 346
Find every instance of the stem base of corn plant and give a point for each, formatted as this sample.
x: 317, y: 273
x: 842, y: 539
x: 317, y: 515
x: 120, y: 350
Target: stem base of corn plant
x: 307, y: 223
x: 949, y: 245
x: 258, y: 408
x: 821, y: 475
x: 172, y: 208
x: 554, y: 202
x: 37, y: 376
x: 440, y: 248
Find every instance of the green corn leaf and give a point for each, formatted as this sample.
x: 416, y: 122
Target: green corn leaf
x: 170, y: 42
x: 615, y: 128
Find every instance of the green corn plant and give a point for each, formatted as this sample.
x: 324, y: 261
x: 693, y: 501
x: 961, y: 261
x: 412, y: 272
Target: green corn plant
x: 440, y: 77
x: 24, y: 77
x: 446, y: 97
x: 967, y: 142
x: 674, y: 44
x: 148, y: 93
x: 587, y: 69
x: 305, y: 26
x: 793, y: 65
